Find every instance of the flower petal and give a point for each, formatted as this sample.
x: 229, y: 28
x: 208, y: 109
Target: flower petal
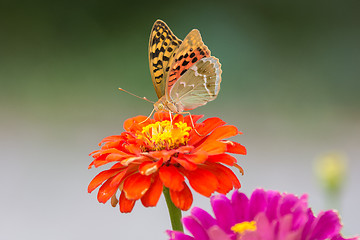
x: 257, y: 203
x: 212, y: 147
x: 171, y: 178
x: 225, y: 182
x: 136, y: 185
x: 216, y: 233
x: 175, y: 235
x: 223, y: 212
x: 161, y: 116
x: 125, y: 204
x: 101, y: 177
x: 148, y: 168
x: 115, y: 182
x: 202, y: 181
x: 234, y: 147
x: 222, y: 158
x: 197, y: 157
x: 230, y: 174
x: 132, y: 124
x: 203, y: 217
x: 195, y: 228
x: 113, y: 138
x: 273, y: 202
x: 152, y: 196
x: 106, y: 191
x: 182, y: 199
x: 240, y: 203
x: 185, y: 163
x: 223, y: 132
x: 327, y: 225
x: 204, y: 129
x: 194, y: 118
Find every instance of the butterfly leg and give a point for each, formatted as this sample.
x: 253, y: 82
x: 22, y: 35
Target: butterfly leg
x: 171, y: 119
x: 148, y: 116
x: 192, y: 122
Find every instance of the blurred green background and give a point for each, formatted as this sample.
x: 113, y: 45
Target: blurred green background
x: 290, y: 83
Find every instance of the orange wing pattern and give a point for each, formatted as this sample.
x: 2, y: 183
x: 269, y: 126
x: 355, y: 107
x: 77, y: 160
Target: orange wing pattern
x: 190, y: 51
x: 163, y: 44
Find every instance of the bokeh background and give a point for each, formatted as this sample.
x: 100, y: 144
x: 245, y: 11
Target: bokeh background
x: 290, y: 83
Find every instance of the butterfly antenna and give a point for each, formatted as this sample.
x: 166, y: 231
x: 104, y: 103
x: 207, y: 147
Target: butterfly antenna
x: 143, y: 98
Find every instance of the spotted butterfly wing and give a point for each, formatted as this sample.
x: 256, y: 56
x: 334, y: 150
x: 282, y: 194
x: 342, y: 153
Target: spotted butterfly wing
x: 195, y: 76
x: 199, y: 85
x: 162, y: 46
x: 190, y: 51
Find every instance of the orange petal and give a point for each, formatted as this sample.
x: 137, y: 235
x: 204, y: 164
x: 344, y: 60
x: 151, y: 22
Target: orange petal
x: 202, y: 181
x: 182, y: 199
x: 197, y: 157
x: 195, y: 118
x: 152, y: 196
x: 97, y: 163
x: 106, y: 191
x: 136, y: 185
x: 178, y: 118
x: 125, y: 204
x: 231, y: 175
x: 204, y: 129
x: 222, y: 158
x: 212, y: 147
x: 171, y: 178
x: 118, y: 179
x: 161, y: 116
x: 234, y: 147
x: 184, y: 163
x: 225, y: 181
x: 148, y: 168
x: 132, y: 124
x: 223, y: 132
x: 165, y: 155
x: 112, y: 157
x: 123, y: 175
x: 111, y: 139
x: 101, y: 177
x: 185, y: 149
x: 132, y: 148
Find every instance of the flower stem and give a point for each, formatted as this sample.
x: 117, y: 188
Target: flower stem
x: 174, y: 212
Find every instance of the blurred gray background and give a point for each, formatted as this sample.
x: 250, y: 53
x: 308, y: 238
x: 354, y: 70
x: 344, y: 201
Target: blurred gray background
x: 290, y: 83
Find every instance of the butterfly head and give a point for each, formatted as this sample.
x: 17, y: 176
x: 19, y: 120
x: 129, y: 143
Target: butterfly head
x: 164, y: 105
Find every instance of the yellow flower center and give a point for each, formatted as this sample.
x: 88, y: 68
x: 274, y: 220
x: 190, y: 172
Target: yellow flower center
x: 165, y: 135
x: 240, y: 228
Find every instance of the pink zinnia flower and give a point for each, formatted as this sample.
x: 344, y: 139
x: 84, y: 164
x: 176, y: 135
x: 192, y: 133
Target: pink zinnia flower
x: 266, y: 215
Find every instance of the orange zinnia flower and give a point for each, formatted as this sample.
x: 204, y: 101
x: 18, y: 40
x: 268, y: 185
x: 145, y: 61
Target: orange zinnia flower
x: 161, y: 152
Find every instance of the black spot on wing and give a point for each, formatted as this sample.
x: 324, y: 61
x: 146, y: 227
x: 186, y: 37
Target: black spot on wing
x: 185, y: 63
x: 183, y: 71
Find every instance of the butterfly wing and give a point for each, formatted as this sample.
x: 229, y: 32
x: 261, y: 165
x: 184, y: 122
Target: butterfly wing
x: 190, y: 51
x: 162, y: 46
x: 198, y: 85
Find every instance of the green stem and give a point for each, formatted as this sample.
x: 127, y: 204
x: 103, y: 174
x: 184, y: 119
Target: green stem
x: 174, y: 212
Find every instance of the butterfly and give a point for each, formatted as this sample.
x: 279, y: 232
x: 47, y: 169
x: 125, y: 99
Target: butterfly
x: 184, y: 74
